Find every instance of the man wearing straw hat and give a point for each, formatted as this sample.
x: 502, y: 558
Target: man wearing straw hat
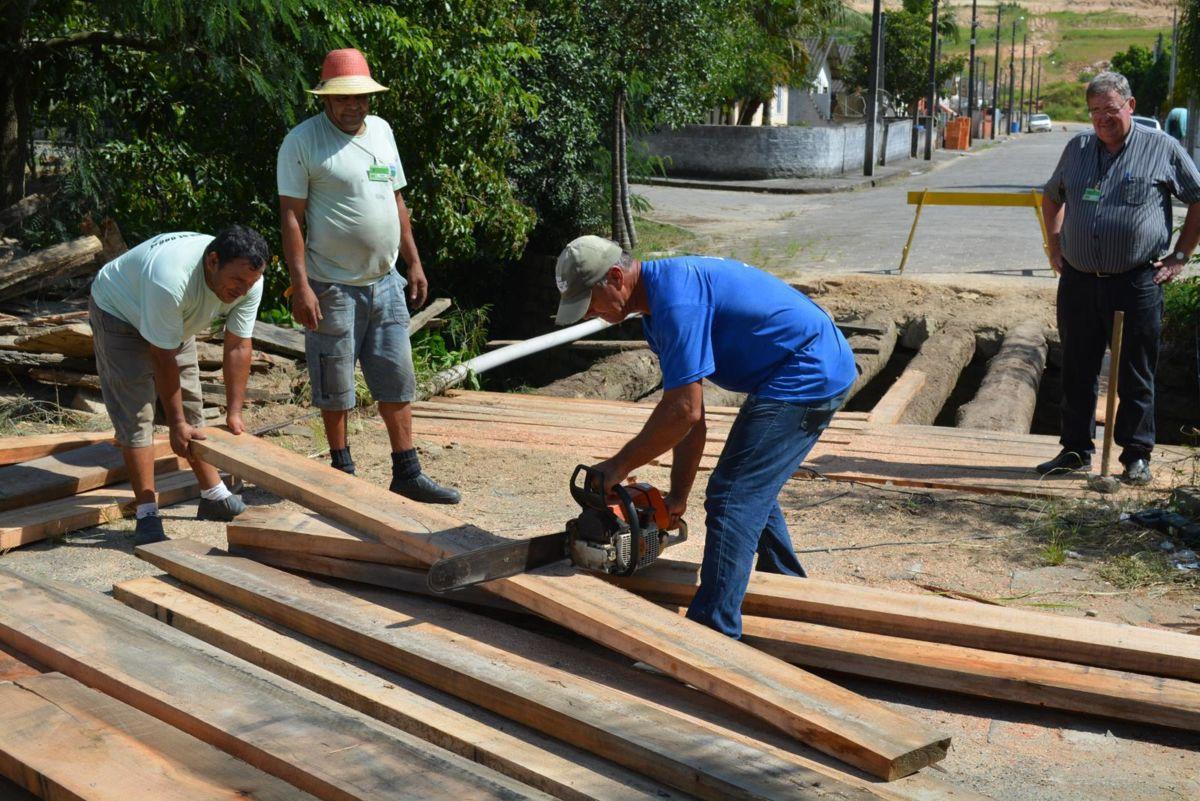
x: 344, y: 222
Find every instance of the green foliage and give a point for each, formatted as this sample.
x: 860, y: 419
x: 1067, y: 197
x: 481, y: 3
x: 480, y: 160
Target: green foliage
x: 906, y: 66
x: 1064, y: 101
x: 462, y: 339
x: 1188, y: 74
x: 1147, y: 77
x: 1181, y: 302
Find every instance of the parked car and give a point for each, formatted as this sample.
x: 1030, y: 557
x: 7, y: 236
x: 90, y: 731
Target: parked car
x: 1177, y: 123
x: 1149, y: 122
x: 1039, y: 122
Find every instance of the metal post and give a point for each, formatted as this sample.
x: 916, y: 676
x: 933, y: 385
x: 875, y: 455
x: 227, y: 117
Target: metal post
x: 971, y: 77
x: 872, y: 113
x: 996, y: 77
x: 1021, y: 105
x: 1012, y: 77
x: 1174, y: 56
x: 933, y: 51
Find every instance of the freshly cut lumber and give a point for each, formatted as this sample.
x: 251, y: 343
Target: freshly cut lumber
x: 8, y: 790
x: 60, y: 261
x: 1007, y: 397
x: 303, y: 532
x: 71, y: 472
x: 33, y: 446
x: 1115, y: 646
x: 15, y: 666
x: 1024, y: 679
x: 92, y: 508
x: 73, y: 339
x: 532, y: 758
x: 622, y: 376
x: 64, y: 740
x: 322, y: 748
x: 891, y: 408
x: 401, y: 637
x: 865, y: 734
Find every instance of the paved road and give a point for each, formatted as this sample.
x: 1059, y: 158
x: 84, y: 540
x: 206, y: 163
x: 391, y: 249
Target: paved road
x: 865, y: 231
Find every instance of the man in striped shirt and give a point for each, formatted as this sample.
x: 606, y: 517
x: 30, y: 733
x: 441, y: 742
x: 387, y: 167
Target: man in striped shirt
x: 1108, y: 216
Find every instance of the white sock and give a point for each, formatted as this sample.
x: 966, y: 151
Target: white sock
x: 217, y: 493
x: 147, y: 510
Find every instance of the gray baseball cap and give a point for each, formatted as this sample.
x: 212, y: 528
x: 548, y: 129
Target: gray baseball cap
x: 581, y: 266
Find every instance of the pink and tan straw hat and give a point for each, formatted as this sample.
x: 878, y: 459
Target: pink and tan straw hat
x: 345, y: 72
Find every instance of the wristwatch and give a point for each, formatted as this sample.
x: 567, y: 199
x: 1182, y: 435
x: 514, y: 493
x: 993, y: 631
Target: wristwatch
x: 1180, y: 256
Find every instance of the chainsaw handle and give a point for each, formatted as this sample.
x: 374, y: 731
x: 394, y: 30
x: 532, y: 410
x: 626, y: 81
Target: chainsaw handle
x: 589, y: 498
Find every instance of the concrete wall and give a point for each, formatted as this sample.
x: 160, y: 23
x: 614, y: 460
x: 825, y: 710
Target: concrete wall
x: 753, y: 152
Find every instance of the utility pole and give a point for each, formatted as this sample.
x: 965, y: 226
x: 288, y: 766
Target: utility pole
x: 1012, y: 75
x: 1021, y: 105
x: 971, y: 78
x: 1174, y: 56
x: 933, y: 52
x: 996, y: 77
x: 1032, y: 65
x: 1038, y: 101
x: 872, y: 114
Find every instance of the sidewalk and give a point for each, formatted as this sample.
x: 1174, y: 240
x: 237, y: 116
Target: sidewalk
x: 847, y: 182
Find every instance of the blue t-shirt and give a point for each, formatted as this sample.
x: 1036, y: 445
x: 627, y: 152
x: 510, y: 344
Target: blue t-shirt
x: 743, y: 329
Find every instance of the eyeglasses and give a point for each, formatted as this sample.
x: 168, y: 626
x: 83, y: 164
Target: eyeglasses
x: 1109, y: 112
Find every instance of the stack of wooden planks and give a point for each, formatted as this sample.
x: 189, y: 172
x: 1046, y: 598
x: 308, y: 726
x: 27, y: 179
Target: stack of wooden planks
x: 55, y: 483
x: 857, y: 446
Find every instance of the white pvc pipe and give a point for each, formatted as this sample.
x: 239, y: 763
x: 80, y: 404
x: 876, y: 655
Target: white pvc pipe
x: 453, y: 376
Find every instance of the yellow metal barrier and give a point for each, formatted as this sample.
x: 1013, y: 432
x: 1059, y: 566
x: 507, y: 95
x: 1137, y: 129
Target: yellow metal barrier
x: 926, y: 197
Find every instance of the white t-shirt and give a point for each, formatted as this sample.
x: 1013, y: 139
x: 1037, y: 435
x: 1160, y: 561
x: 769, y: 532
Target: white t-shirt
x: 352, y: 227
x: 159, y: 289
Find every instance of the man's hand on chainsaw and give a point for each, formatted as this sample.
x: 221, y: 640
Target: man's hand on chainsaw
x: 613, y: 472
x: 676, y: 506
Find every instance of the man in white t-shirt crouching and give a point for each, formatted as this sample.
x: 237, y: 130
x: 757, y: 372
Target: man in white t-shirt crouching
x: 146, y: 308
x: 344, y: 223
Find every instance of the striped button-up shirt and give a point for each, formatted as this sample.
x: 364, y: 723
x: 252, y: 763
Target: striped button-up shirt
x: 1118, y: 206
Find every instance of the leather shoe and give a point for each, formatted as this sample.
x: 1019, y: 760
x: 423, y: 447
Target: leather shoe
x: 1137, y: 473
x: 424, y: 489
x: 1066, y: 462
x: 149, y: 529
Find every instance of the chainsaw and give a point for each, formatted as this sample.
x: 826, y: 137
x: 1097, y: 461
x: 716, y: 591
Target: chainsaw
x: 617, y: 533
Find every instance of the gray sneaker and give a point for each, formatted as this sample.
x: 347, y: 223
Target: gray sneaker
x: 224, y: 511
x: 1137, y: 473
x: 424, y: 489
x: 149, y: 529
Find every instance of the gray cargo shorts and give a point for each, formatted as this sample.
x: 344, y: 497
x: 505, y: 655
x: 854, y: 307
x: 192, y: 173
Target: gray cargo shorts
x: 126, y: 371
x: 364, y: 324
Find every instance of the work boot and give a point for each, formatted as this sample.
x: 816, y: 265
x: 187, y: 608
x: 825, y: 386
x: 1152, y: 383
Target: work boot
x: 149, y: 529
x: 424, y: 489
x: 1137, y: 473
x: 223, y: 511
x: 1066, y: 462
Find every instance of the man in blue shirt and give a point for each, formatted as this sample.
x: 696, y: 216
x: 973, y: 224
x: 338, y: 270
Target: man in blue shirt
x: 746, y: 331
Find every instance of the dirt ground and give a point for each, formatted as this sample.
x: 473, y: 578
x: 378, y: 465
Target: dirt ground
x: 1067, y: 559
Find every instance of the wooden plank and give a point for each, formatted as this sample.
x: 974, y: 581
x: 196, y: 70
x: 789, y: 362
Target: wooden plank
x: 15, y: 666
x: 277, y: 339
x: 524, y: 755
x: 31, y: 272
x: 66, y: 741
x: 1026, y: 680
x: 287, y: 530
x: 8, y: 790
x: 819, y: 713
x: 401, y: 637
x: 421, y: 319
x: 33, y: 446
x: 1114, y: 646
x: 72, y: 339
x: 280, y: 728
x: 87, y: 509
x: 891, y: 407
x: 72, y: 472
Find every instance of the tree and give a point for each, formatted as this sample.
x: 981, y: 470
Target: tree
x: 1148, y: 76
x: 906, y: 68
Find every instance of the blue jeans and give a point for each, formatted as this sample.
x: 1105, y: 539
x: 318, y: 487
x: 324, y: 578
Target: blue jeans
x: 768, y: 441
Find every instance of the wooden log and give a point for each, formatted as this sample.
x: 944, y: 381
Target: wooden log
x: 938, y: 364
x: 211, y: 356
x: 21, y: 210
x: 624, y: 376
x: 23, y: 361
x: 93, y: 508
x: 933, y: 619
x: 65, y: 378
x: 401, y: 637
x: 872, y: 351
x: 819, y: 713
x: 330, y: 751
x: 72, y: 472
x: 1007, y: 398
x: 33, y: 446
x: 60, y: 261
x: 66, y: 741
x: 72, y: 339
x: 469, y: 731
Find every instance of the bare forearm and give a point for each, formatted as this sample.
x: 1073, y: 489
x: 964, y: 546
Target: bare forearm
x: 686, y: 459
x: 236, y: 369
x: 1052, y: 213
x: 1189, y: 235
x: 166, y: 382
x: 293, y: 248
x: 408, y: 243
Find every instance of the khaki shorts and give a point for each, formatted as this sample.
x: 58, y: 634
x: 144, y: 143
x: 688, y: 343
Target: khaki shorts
x: 127, y: 378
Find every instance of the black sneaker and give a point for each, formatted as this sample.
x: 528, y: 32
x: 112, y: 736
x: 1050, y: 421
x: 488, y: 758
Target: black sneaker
x: 149, y: 530
x: 223, y: 511
x: 424, y: 490
x: 1137, y: 473
x: 1065, y: 462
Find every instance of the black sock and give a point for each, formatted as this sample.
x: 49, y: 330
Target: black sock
x: 405, y: 465
x: 341, y: 459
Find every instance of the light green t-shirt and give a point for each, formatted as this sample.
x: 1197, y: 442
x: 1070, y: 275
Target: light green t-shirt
x: 159, y: 289
x: 352, y: 228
